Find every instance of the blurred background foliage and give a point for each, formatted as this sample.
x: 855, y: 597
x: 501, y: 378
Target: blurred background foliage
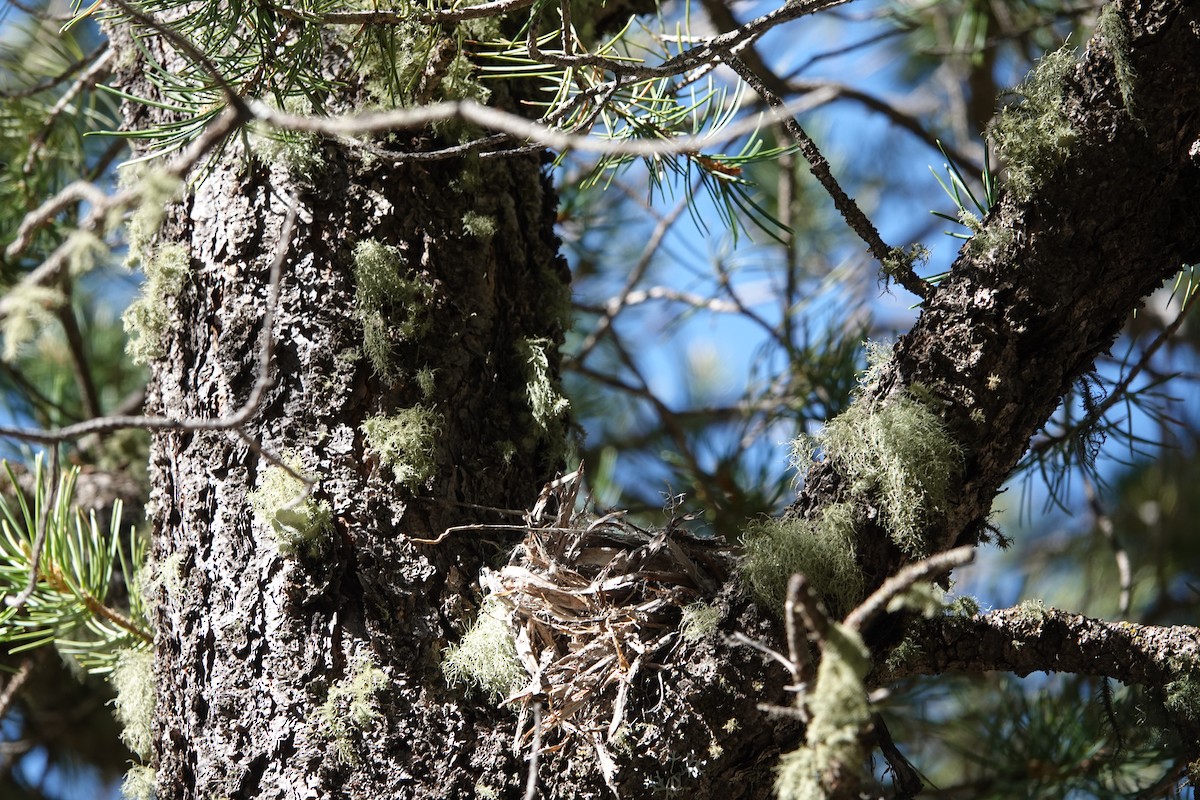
x: 698, y: 353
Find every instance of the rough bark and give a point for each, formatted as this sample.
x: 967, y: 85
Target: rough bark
x: 1014, y: 325
x: 252, y: 642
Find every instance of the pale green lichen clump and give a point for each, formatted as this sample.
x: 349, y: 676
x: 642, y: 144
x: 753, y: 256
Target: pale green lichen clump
x: 822, y: 550
x: 839, y: 713
x: 351, y: 706
x: 901, y: 457
x: 486, y: 658
x: 389, y: 303
x: 1036, y: 136
x: 699, y: 620
x: 147, y: 319
x: 297, y: 522
x: 545, y: 400
x: 139, y: 783
x: 405, y: 443
x: 132, y: 678
x: 1115, y: 31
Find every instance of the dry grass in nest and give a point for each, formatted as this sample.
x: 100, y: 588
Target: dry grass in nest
x: 595, y: 606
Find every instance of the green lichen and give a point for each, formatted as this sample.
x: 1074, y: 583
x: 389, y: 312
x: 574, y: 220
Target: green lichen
x: 426, y: 379
x: 1036, y: 136
x: 832, y: 754
x: 297, y: 522
x: 413, y: 62
x: 157, y: 189
x: 546, y: 401
x: 297, y: 152
x: 699, y: 621
x: 351, y: 705
x: 963, y: 606
x: 1115, y: 30
x: 148, y: 317
x: 507, y: 451
x: 139, y: 783
x: 823, y: 551
x: 904, y: 653
x: 486, y: 657
x: 1182, y: 697
x: 1031, y: 612
x: 32, y: 310
x: 994, y: 239
x: 900, y: 262
x: 405, y: 442
x: 485, y: 791
x: 924, y: 598
x: 132, y: 678
x: 390, y: 302
x: 480, y: 226
x: 85, y: 250
x: 901, y: 457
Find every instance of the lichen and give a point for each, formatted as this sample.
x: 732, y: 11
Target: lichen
x: 426, y: 379
x: 157, y: 189
x: 298, y: 153
x: 991, y: 240
x: 963, y: 606
x: 924, y: 598
x: 390, y: 302
x: 405, y: 443
x: 900, y: 262
x: 139, y: 783
x: 1036, y: 136
x: 486, y: 657
x: 32, y: 309
x: 906, y: 652
x: 297, y: 522
x: 1115, y: 30
x: 1182, y: 697
x: 132, y: 678
x: 546, y: 401
x: 351, y: 705
x: 148, y: 317
x: 823, y: 551
x: 480, y: 226
x: 832, y: 755
x: 699, y: 621
x: 900, y: 457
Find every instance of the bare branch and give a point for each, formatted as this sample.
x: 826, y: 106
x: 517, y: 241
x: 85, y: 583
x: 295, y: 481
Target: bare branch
x: 925, y: 569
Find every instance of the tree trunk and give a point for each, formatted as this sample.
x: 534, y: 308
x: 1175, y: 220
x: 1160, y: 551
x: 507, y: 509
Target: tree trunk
x: 252, y: 640
x: 298, y: 659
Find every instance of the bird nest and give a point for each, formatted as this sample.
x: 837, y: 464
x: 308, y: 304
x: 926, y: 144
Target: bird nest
x: 595, y: 607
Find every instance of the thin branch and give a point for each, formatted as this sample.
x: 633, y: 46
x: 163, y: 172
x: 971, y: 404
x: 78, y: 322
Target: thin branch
x: 1121, y: 390
x: 1104, y: 524
x: 616, y: 304
x: 180, y: 42
x: 854, y: 216
x: 15, y: 683
x: 95, y: 73
x: 534, y: 752
x: 494, y: 119
x: 233, y: 421
x: 937, y: 564
x: 101, y: 206
x: 802, y: 668
x: 79, y: 360
x: 816, y: 621
x: 380, y: 17
x: 50, y: 83
x: 701, y: 56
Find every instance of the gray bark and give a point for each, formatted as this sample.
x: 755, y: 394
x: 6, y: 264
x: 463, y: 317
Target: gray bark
x: 250, y: 642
